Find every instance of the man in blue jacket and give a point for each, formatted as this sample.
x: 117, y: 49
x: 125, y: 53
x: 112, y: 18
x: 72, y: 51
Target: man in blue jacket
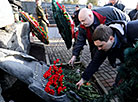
x: 89, y: 21
x: 111, y: 42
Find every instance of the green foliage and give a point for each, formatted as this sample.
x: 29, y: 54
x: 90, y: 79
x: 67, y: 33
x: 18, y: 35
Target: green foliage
x: 75, y: 1
x: 64, y: 1
x: 47, y: 0
x: 86, y: 93
x: 94, y: 2
x: 70, y: 1
x: 67, y: 1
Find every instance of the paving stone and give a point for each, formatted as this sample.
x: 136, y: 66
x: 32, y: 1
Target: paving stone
x: 106, y: 84
x: 109, y: 80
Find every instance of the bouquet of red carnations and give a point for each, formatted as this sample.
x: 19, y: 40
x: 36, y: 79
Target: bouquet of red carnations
x: 55, y: 84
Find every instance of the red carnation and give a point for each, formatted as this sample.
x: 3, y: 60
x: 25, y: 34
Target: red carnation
x: 59, y: 89
x: 61, y: 78
x: 63, y: 88
x: 47, y: 74
x: 47, y: 89
x: 54, y: 62
x: 57, y: 60
x: 55, y: 78
x: 60, y: 70
x: 52, y: 92
x: 61, y: 84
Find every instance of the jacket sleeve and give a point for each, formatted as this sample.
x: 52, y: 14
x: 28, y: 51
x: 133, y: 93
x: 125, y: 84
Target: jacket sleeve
x: 120, y: 15
x: 93, y: 66
x: 80, y: 42
x: 111, y: 13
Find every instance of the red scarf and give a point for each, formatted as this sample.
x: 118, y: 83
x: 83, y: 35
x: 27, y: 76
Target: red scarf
x: 101, y: 18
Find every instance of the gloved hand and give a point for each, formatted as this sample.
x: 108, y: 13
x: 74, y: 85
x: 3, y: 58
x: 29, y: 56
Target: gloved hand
x: 72, y: 60
x: 80, y: 83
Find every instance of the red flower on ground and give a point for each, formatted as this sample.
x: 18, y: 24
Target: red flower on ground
x: 52, y: 92
x: 54, y: 62
x: 55, y: 79
x: 59, y: 89
x: 47, y: 89
x: 57, y: 60
x: 47, y: 74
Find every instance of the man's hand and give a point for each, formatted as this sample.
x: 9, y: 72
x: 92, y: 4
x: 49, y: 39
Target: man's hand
x: 80, y: 83
x: 72, y: 60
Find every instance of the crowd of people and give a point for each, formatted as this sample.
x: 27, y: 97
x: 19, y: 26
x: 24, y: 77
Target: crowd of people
x: 108, y: 30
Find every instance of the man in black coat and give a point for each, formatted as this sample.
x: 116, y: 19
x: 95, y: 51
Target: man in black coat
x: 111, y: 42
x: 133, y: 12
x: 89, y: 21
x: 75, y: 16
x: 116, y: 4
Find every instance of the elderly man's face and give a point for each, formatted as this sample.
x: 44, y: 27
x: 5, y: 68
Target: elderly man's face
x: 86, y: 20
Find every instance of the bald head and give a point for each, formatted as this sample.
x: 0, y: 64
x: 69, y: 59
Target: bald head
x: 86, y: 17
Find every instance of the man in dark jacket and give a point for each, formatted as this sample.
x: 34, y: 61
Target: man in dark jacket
x: 41, y: 15
x: 110, y: 43
x: 75, y: 15
x: 116, y: 4
x: 89, y: 21
x: 135, y: 16
x: 133, y: 12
